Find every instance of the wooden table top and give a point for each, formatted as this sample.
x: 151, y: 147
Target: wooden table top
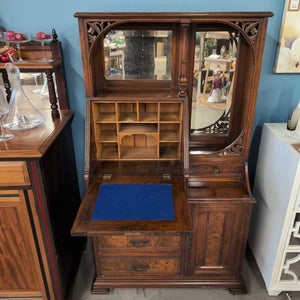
x: 33, y: 143
x: 35, y: 65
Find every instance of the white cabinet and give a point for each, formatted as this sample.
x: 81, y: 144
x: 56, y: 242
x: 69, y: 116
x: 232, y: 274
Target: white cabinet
x: 274, y: 231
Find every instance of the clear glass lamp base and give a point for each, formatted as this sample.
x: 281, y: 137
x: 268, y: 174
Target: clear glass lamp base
x: 6, y: 137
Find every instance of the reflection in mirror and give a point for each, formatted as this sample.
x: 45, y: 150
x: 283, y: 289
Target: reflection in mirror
x: 138, y: 54
x: 214, y: 68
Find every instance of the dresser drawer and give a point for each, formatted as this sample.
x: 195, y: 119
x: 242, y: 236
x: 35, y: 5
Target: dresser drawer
x: 138, y: 242
x: 140, y: 266
x: 13, y: 173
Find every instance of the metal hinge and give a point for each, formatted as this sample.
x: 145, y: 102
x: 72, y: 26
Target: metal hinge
x: 107, y: 176
x: 166, y: 176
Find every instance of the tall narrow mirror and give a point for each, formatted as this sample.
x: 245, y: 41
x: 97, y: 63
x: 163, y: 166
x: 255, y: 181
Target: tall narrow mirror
x: 214, y: 77
x: 138, y: 54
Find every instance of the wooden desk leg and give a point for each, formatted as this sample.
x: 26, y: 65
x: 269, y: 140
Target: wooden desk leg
x: 52, y: 95
x: 6, y: 84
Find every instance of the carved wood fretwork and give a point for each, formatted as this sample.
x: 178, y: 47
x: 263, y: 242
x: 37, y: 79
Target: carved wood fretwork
x: 235, y: 149
x: 221, y: 126
x: 96, y: 28
x: 250, y: 28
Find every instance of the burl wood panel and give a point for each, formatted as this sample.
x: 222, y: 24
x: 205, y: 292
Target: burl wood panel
x: 214, y: 238
x: 218, y: 237
x: 13, y: 173
x: 19, y: 268
x: 140, y: 242
x: 140, y: 266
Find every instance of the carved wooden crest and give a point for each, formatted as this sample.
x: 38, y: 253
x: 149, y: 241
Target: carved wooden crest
x: 235, y: 149
x: 250, y: 28
x: 96, y: 28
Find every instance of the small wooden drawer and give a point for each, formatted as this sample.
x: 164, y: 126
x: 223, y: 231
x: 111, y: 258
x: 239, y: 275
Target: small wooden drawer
x: 140, y: 266
x: 13, y: 173
x: 219, y: 169
x: 138, y: 242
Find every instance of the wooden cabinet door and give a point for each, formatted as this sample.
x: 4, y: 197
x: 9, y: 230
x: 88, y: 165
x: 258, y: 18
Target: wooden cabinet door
x: 20, y: 274
x: 219, y: 238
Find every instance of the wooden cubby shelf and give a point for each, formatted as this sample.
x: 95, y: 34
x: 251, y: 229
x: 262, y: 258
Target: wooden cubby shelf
x: 169, y: 132
x: 134, y: 130
x: 171, y: 112
x: 107, y: 150
x: 138, y: 128
x: 104, y: 112
x: 148, y: 112
x: 169, y: 151
x: 127, y: 112
x: 106, y: 132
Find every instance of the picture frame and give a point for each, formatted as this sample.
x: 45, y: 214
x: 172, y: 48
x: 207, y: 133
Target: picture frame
x: 288, y: 51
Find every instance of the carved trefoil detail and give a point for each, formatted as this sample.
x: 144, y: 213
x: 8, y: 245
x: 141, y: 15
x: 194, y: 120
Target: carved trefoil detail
x: 221, y: 126
x: 96, y: 28
x: 235, y: 149
x: 250, y: 28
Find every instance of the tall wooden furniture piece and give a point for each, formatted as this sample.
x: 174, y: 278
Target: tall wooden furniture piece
x: 138, y: 132
x: 39, y: 198
x: 274, y: 235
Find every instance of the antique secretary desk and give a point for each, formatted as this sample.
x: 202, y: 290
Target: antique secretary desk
x: 170, y: 100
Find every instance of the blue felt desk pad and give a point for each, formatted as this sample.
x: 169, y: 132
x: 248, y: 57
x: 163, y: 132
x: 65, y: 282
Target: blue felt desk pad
x: 116, y: 202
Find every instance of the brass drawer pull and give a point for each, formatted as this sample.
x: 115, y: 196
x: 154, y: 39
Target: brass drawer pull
x: 139, y: 243
x: 139, y: 267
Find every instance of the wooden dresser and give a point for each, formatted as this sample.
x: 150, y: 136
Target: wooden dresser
x: 157, y: 113
x: 39, y: 197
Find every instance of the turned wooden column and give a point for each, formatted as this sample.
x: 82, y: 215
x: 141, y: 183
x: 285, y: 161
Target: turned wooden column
x: 60, y: 78
x: 183, y: 80
x: 52, y: 95
x: 6, y: 84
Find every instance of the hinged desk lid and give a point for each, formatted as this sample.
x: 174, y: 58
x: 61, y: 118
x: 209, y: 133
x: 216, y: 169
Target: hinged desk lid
x: 133, y: 204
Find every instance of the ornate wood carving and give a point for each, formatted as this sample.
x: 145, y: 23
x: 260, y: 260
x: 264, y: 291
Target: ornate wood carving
x: 250, y: 28
x: 96, y: 28
x: 183, y: 80
x: 221, y: 126
x: 236, y: 148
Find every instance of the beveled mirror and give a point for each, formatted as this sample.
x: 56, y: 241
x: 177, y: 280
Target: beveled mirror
x: 214, y: 78
x: 138, y: 54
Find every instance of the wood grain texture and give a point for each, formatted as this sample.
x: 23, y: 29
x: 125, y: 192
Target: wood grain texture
x: 138, y: 242
x: 140, y: 266
x: 35, y: 142
x: 13, y: 173
x: 20, y: 270
x: 219, y: 238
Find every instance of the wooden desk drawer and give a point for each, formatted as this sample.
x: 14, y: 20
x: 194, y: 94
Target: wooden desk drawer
x: 13, y: 173
x: 219, y: 169
x: 140, y: 242
x: 140, y: 266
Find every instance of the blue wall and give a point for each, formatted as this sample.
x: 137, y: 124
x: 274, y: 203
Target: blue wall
x: 276, y: 92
